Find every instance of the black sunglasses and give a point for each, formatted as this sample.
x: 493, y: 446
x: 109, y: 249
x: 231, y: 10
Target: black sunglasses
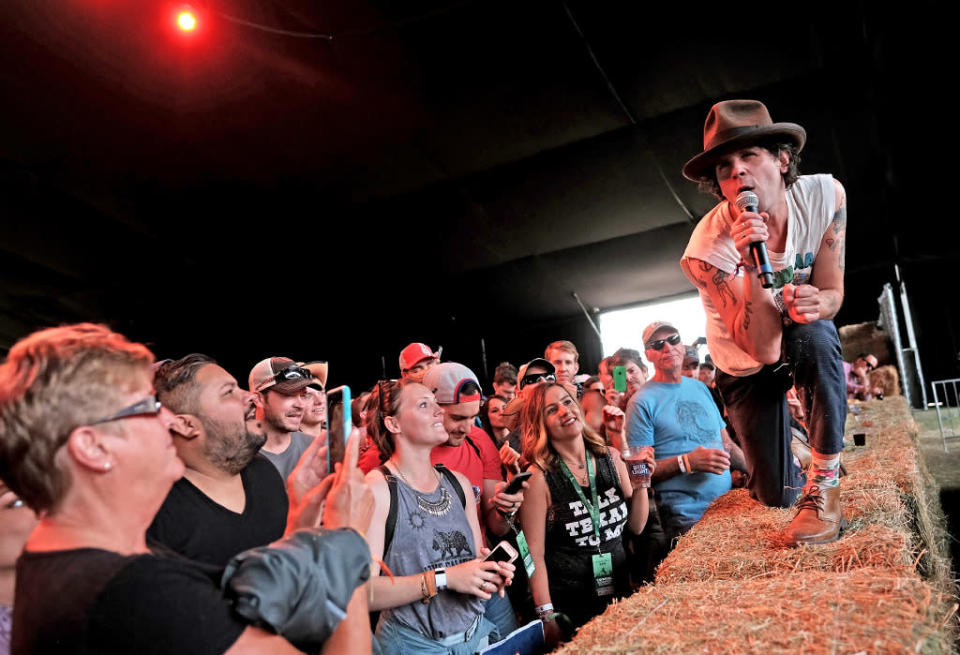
x: 292, y: 372
x: 673, y: 340
x: 148, y: 406
x: 533, y: 378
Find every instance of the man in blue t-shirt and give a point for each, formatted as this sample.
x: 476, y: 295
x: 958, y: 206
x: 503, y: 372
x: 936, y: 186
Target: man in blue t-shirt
x: 677, y: 416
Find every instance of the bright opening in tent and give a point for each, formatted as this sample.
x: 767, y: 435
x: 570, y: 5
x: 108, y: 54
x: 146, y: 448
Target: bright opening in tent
x: 623, y: 328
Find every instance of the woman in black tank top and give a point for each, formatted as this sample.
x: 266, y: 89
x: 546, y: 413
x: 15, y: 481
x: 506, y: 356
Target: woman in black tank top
x: 579, y: 501
x: 432, y: 601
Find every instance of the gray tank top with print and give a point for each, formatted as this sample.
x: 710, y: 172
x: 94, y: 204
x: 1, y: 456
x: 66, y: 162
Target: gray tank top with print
x: 432, y: 532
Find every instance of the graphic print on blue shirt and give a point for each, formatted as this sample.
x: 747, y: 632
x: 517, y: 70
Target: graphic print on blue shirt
x: 692, y: 417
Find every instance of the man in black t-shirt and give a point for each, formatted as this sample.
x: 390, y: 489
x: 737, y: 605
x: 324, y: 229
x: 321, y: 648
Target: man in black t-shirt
x: 229, y: 498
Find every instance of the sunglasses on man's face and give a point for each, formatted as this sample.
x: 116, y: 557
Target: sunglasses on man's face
x: 148, y: 406
x: 533, y: 378
x: 673, y: 340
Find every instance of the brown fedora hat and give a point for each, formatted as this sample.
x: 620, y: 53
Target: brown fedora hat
x: 736, y: 123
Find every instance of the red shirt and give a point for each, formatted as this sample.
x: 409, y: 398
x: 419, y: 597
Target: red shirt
x: 476, y: 467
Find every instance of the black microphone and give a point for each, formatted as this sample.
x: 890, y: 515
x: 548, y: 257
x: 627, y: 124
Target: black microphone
x: 747, y: 201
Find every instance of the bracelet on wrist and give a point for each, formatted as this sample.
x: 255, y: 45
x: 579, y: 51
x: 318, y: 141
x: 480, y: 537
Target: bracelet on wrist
x: 428, y: 586
x: 544, y: 609
x: 440, y: 576
x: 680, y: 465
x: 686, y: 460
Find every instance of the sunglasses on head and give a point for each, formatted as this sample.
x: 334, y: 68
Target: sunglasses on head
x: 673, y: 340
x: 533, y: 378
x: 292, y: 372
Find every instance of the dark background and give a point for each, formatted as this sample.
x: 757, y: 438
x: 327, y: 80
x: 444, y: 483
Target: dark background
x: 439, y: 171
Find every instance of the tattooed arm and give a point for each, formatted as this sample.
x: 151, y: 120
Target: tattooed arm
x: 828, y: 267
x: 747, y: 309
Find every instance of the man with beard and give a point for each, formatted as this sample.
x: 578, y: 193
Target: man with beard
x: 282, y: 398
x: 229, y: 498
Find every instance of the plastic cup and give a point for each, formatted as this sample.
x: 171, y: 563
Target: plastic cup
x: 637, y: 467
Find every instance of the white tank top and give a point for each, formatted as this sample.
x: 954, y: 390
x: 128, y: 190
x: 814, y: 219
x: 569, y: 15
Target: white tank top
x: 811, y: 203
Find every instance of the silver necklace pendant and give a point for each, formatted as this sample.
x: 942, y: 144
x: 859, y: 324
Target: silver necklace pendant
x: 433, y: 508
x: 438, y: 508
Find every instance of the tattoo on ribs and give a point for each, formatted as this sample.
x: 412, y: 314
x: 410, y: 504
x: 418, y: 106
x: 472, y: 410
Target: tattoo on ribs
x: 746, y: 316
x: 723, y: 288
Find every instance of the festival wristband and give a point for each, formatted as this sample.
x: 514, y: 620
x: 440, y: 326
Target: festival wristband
x: 546, y: 608
x: 683, y: 469
x: 440, y: 575
x: 686, y: 460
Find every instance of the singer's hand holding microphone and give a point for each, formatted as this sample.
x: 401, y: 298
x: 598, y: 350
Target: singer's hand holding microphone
x: 750, y: 234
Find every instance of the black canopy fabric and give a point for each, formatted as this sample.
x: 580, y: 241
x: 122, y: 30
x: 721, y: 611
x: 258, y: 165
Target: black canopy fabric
x: 436, y: 171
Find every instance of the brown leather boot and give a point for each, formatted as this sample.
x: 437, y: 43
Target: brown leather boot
x: 819, y: 518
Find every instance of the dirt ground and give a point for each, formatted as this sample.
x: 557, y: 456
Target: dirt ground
x: 945, y: 468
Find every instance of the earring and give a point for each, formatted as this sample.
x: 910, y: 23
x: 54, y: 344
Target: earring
x: 107, y: 466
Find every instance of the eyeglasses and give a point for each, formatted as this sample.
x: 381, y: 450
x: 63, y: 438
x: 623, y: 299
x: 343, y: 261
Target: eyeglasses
x: 149, y: 406
x: 673, y: 340
x: 533, y: 378
x: 292, y: 372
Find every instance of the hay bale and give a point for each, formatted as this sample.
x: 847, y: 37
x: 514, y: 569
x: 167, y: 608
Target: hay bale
x: 887, y: 378
x: 730, y: 585
x: 866, y: 610
x: 740, y: 538
x: 865, y: 338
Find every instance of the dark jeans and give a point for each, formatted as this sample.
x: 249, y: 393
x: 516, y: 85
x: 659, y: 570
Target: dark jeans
x: 757, y: 406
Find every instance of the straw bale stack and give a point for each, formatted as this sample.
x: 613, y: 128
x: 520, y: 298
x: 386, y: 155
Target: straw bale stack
x: 732, y: 586
x: 865, y: 338
x: 864, y: 610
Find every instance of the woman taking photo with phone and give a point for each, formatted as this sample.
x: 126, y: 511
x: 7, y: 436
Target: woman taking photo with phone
x: 579, y: 501
x: 426, y: 530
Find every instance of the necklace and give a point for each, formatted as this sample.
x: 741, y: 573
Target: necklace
x: 435, y: 508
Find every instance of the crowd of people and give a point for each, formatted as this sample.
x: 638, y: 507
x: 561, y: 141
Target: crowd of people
x: 162, y: 507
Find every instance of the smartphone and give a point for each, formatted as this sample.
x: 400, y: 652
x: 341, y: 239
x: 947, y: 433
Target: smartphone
x: 517, y: 481
x: 620, y: 378
x: 339, y: 423
x: 504, y: 552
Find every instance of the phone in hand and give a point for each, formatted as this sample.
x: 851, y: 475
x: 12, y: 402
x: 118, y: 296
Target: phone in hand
x: 504, y: 552
x: 339, y: 424
x: 620, y: 378
x: 517, y: 482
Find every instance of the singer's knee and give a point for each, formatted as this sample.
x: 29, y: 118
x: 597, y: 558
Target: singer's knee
x: 814, y: 341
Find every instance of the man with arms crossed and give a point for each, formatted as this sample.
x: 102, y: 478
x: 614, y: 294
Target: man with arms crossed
x: 762, y: 340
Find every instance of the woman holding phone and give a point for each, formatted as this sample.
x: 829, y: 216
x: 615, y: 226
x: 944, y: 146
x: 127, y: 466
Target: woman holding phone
x: 432, y: 599
x: 579, y: 501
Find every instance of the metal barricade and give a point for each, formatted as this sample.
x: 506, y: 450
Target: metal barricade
x: 947, y: 394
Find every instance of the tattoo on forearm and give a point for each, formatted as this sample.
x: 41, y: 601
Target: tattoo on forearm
x: 723, y: 288
x: 746, y: 315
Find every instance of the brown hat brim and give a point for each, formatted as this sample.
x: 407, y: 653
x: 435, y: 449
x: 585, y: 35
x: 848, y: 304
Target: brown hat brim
x: 696, y: 168
x: 290, y: 387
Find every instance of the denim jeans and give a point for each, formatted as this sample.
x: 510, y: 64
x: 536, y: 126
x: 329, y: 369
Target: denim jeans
x: 499, y: 611
x: 757, y: 407
x: 397, y: 639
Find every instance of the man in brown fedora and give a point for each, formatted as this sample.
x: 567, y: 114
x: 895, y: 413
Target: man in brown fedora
x: 764, y: 339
